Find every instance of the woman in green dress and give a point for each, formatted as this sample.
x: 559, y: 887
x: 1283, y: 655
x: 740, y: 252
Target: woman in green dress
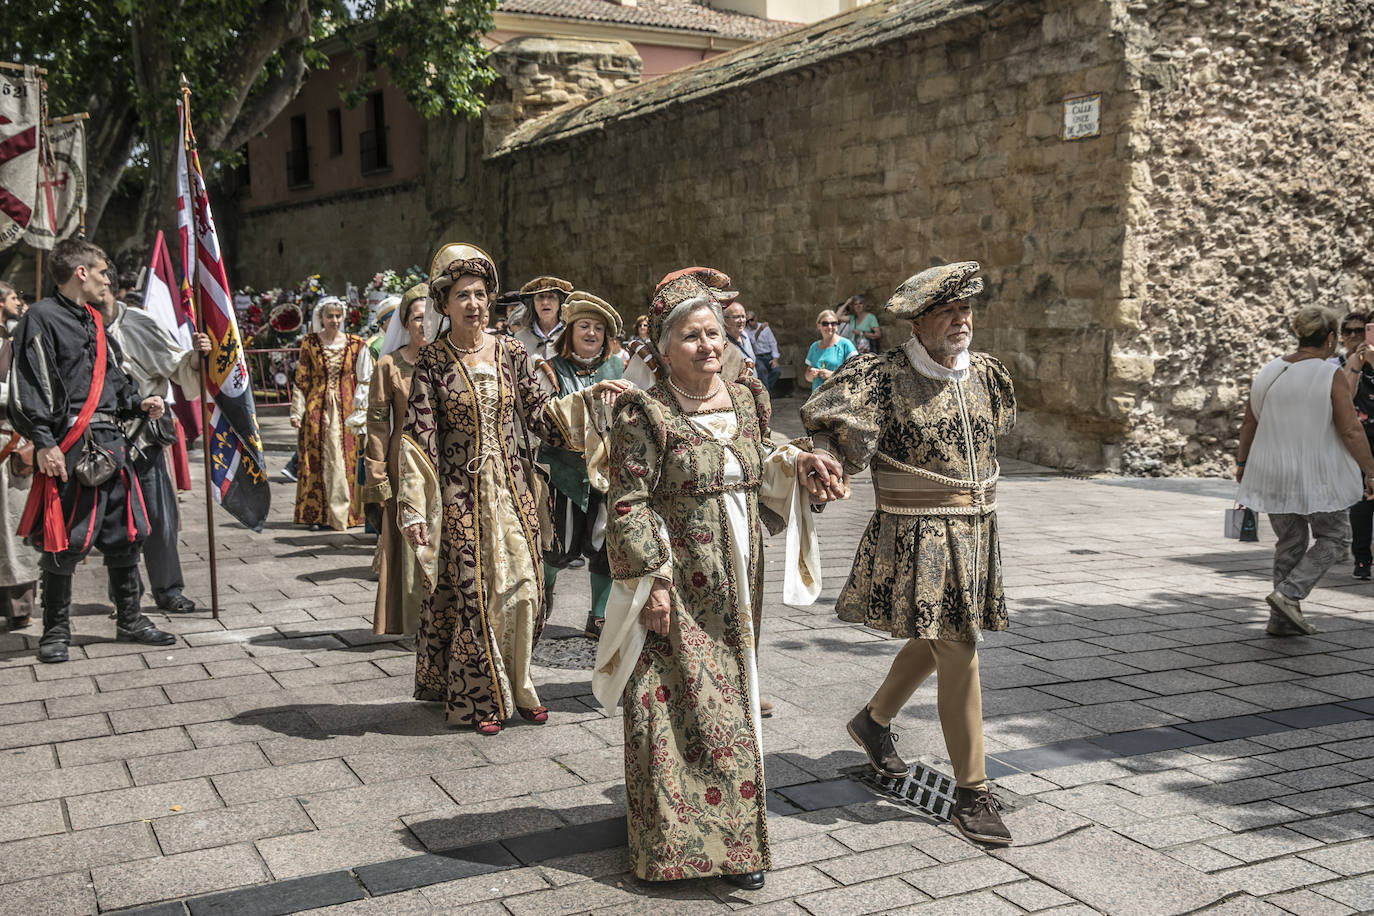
x: 586, y: 355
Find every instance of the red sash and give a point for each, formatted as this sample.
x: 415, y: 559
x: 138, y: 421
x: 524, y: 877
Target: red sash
x: 43, y: 495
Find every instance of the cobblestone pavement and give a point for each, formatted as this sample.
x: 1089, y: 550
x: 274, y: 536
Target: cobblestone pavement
x: 1158, y: 753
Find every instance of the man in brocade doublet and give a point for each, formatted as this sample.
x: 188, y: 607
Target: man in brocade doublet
x: 925, y: 417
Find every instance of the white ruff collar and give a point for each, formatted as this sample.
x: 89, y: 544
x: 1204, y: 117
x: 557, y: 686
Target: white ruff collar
x: 922, y: 362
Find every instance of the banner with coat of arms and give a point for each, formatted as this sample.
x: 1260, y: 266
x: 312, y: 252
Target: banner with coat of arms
x: 61, y: 185
x: 21, y: 116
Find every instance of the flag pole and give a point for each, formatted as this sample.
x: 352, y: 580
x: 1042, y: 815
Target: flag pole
x: 206, y: 431
x: 37, y: 274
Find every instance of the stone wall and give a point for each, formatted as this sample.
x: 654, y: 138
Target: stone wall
x: 1252, y: 195
x: 843, y: 158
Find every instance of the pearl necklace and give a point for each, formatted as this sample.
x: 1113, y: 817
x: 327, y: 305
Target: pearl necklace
x: 464, y: 350
x: 715, y: 387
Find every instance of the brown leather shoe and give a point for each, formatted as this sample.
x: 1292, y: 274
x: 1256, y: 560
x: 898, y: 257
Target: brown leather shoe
x: 878, y: 743
x: 975, y: 816
x: 765, y: 709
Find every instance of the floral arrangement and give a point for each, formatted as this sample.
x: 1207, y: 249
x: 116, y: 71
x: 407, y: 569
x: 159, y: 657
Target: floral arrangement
x: 279, y: 318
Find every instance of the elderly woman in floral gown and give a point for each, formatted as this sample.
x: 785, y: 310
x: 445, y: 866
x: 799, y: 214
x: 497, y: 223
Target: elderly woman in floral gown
x: 692, y: 476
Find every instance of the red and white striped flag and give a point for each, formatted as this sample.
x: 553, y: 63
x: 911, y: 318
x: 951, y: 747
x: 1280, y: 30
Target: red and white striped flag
x: 238, y: 476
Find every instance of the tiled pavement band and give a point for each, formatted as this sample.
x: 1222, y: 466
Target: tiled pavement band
x: 1172, y: 737
x: 290, y: 896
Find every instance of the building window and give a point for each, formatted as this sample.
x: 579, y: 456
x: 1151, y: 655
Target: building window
x: 370, y: 56
x: 372, y: 142
x: 298, y: 156
x: 335, y: 132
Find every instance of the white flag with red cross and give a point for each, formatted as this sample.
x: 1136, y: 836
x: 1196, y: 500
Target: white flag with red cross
x: 57, y: 214
x: 21, y: 130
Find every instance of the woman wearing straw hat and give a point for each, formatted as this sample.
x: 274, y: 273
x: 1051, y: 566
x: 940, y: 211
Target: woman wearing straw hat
x: 466, y: 499
x: 586, y: 355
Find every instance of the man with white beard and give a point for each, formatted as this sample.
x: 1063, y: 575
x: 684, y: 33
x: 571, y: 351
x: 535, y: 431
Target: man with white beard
x: 926, y: 418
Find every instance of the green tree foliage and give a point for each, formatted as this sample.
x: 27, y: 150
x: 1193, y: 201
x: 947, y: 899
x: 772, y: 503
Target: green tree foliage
x: 245, y: 60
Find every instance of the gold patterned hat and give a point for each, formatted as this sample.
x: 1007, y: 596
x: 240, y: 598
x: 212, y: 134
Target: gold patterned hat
x: 418, y: 291
x: 581, y: 304
x: 451, y: 261
x: 934, y: 287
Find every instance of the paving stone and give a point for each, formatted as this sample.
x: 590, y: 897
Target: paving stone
x: 1201, y: 857
x: 464, y: 892
x: 105, y: 702
x: 84, y: 849
x: 1277, y: 875
x: 1234, y: 768
x: 119, y: 806
x: 69, y: 893
x: 83, y: 667
x: 295, y: 855
x: 225, y: 826
x: 1094, y: 691
x: 190, y: 764
x: 1354, y: 892
x: 34, y: 690
x: 1146, y: 741
x: 27, y: 734
x: 1349, y: 859
x: 40, y: 784
x: 1033, y: 896
x: 1315, y: 716
x: 1120, y: 717
x: 830, y: 793
x: 783, y: 884
x: 506, y: 780
x: 167, y: 715
x: 1127, y: 879
x: 150, y: 677
x: 1268, y: 843
x: 836, y: 860
x: 1320, y: 778
x: 983, y: 903
x: 180, y: 875
x: 381, y: 801
x: 40, y: 818
x: 1173, y: 831
x: 277, y: 782
x: 963, y: 877
x: 122, y: 747
x: 424, y: 870
x: 219, y: 687
x: 577, y: 898
x: 380, y: 766
x: 1252, y: 816
x: 280, y: 897
x: 1308, y: 903
x: 871, y: 897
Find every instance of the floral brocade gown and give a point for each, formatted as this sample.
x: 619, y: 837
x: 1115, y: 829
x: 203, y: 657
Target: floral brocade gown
x: 684, y: 504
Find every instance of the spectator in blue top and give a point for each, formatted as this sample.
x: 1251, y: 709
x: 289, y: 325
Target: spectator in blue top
x: 829, y: 353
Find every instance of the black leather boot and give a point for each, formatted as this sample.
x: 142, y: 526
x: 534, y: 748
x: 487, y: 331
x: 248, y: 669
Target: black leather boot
x: 130, y: 624
x: 57, y: 611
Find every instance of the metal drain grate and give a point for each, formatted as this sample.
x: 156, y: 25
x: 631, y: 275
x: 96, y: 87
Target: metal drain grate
x: 922, y: 787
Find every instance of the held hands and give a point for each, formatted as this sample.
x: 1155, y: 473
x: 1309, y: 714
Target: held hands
x: 153, y: 407
x: 52, y: 462
x: 608, y: 390
x: 417, y: 534
x: 200, y: 343
x: 823, y: 476
x: 1358, y: 356
x: 657, y: 609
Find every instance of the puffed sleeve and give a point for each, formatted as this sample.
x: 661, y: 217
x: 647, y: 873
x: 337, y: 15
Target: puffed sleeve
x: 636, y: 541
x: 417, y: 491
x: 303, y: 377
x: 379, y: 425
x: 844, y: 414
x: 1000, y: 393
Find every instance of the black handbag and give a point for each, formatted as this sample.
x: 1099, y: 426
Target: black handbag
x: 163, y: 430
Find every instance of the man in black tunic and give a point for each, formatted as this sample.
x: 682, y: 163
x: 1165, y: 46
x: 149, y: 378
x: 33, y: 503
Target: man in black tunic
x: 52, y: 377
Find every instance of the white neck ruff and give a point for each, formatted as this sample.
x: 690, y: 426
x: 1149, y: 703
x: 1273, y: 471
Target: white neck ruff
x: 925, y: 364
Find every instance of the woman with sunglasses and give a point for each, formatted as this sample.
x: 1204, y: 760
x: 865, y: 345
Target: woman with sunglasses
x: 829, y: 353
x: 1359, y: 366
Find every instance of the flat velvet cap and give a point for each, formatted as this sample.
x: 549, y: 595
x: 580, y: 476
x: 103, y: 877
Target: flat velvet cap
x: 934, y: 287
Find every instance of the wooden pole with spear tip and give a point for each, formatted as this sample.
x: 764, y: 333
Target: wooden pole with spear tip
x: 208, y: 433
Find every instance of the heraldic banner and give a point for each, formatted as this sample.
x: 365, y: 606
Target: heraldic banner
x: 21, y: 109
x: 238, y: 477
x: 61, y: 185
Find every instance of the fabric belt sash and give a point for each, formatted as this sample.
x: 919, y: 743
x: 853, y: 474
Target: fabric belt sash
x: 900, y: 491
x: 43, y: 499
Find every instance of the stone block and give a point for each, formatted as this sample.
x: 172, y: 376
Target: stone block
x: 283, y: 781
x: 181, y: 875
x: 66, y: 893
x: 83, y: 849
x: 1129, y: 880
x: 143, y: 803
x: 193, y: 763
x: 21, y: 821
x: 225, y: 826
x: 122, y: 747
